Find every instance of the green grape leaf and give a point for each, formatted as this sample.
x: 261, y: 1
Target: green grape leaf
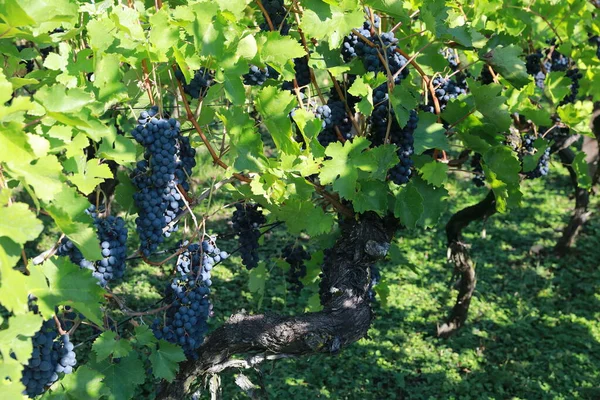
x: 69, y: 285
x: 504, y: 162
x: 59, y: 99
x: 508, y: 63
x: 14, y: 144
x: 164, y: 34
x: 14, y: 15
x: 434, y: 202
x: 120, y: 379
x: 56, y: 62
x: 144, y: 336
x: 303, y: 215
x: 16, y: 338
x: 435, y: 173
x: 234, y: 89
x: 84, y: 383
x: 277, y: 50
x: 576, y: 116
x: 108, y: 76
x: 409, y: 206
x: 378, y: 161
x: 247, y: 47
x: 10, y: 252
x: 371, y: 196
x: 361, y: 89
x: 340, y: 169
x: 309, y: 127
x: 94, y: 174
x: 165, y: 360
x: 19, y: 223
x: 15, y: 287
x: 12, y: 387
x: 44, y: 176
x: 107, y: 344
x: 404, y: 99
x: 246, y: 143
x: 429, y: 134
x: 68, y: 211
x: 330, y: 22
x: 117, y: 148
x: 557, y: 86
x: 580, y: 167
x: 124, y: 192
x: 274, y: 105
x: 491, y: 104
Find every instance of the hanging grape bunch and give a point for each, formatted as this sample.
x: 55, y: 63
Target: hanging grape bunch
x: 540, y: 63
x: 52, y: 355
x: 295, y: 256
x: 159, y: 177
x: 247, y: 219
x: 198, y: 86
x: 112, y: 234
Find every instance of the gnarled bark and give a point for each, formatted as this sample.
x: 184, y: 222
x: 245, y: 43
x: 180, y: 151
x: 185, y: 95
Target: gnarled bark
x: 458, y: 255
x: 345, y: 318
x: 580, y: 214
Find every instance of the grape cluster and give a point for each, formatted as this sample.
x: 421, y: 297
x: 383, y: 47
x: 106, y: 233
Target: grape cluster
x: 479, y: 175
x: 168, y: 162
x: 446, y: 89
x: 542, y: 166
x: 258, y: 76
x: 200, y: 259
x: 376, y: 51
x: 247, y: 219
x: 185, y: 321
x: 539, y: 64
x: 112, y: 233
x: 450, y: 55
x: 295, y: 255
x: 382, y: 116
x: 49, y: 358
x: 277, y: 14
x: 302, y: 74
x: 202, y: 80
x: 333, y: 115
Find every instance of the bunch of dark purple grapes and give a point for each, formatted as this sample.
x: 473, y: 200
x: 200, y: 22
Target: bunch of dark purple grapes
x: 384, y: 123
x: 247, y: 219
x: 112, y: 233
x: 198, y: 86
x: 161, y: 177
x: 295, y: 255
x: 541, y: 63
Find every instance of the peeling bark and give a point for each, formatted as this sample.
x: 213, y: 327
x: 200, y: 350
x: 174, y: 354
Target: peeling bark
x: 580, y: 214
x: 458, y: 255
x: 345, y: 318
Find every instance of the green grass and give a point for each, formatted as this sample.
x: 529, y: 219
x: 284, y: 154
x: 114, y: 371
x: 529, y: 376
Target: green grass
x: 533, y: 331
